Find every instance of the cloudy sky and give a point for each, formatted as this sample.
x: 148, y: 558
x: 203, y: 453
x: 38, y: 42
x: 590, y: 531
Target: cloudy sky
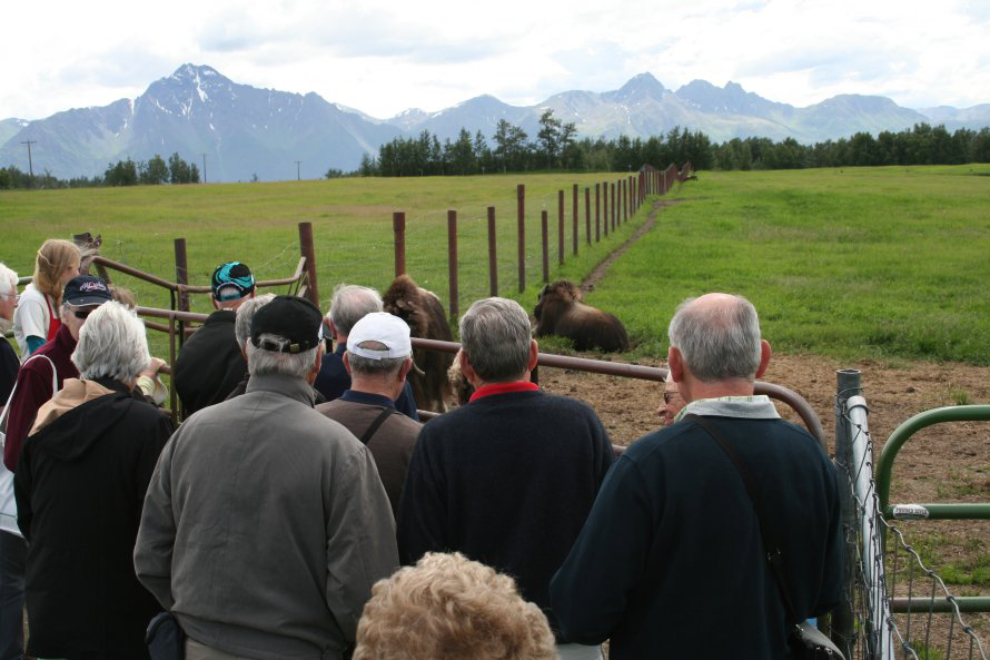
x: 382, y: 57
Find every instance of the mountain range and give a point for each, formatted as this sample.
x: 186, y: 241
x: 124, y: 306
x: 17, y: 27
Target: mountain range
x: 237, y: 132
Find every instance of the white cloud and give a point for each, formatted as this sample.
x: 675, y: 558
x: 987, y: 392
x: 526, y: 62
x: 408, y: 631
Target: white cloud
x: 382, y: 57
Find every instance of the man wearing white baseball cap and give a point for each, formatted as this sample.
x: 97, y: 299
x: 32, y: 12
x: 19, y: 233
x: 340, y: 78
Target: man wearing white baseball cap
x: 378, y: 358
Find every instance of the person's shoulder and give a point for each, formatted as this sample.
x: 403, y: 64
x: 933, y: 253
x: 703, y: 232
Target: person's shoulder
x: 656, y: 444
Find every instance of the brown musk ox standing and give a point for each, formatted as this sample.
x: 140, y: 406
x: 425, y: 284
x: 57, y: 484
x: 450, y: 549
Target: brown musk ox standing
x: 427, y: 319
x: 560, y: 311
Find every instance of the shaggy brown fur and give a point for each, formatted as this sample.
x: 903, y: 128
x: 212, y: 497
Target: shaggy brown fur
x: 560, y: 311
x: 427, y: 319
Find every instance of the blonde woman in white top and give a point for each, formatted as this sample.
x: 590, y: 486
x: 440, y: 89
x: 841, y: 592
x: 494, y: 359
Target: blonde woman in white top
x: 36, y: 318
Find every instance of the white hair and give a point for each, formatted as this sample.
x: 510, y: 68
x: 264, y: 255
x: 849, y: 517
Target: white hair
x: 496, y: 335
x: 242, y: 326
x: 8, y: 280
x: 718, y: 341
x: 112, y: 344
x: 350, y: 304
x: 262, y: 361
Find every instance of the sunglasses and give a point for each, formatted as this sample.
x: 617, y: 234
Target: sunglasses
x: 82, y: 315
x: 669, y: 396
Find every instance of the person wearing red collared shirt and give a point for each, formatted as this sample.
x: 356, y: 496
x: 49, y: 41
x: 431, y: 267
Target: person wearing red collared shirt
x: 509, y: 478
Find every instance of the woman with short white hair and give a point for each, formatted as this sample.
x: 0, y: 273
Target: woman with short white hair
x: 11, y: 544
x: 80, y: 485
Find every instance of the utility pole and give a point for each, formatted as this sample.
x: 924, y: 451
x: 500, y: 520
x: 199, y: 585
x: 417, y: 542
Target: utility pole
x: 204, y: 168
x: 30, y: 163
x: 297, y: 170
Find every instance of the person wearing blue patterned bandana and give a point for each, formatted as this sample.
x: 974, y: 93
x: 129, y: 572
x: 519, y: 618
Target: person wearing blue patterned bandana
x: 210, y: 364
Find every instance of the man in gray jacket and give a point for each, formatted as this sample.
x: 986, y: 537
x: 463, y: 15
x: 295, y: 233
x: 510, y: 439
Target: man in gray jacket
x: 266, y: 524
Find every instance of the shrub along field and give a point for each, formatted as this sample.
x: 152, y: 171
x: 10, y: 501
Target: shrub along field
x: 852, y: 263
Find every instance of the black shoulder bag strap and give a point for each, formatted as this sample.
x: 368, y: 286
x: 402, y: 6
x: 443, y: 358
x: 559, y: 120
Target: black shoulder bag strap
x: 770, y: 544
x: 373, y: 429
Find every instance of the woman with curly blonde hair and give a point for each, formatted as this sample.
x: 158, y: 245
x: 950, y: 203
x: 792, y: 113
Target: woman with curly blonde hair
x: 36, y: 320
x: 448, y: 607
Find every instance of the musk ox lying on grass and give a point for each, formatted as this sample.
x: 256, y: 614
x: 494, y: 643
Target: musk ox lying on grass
x: 560, y: 311
x: 427, y: 319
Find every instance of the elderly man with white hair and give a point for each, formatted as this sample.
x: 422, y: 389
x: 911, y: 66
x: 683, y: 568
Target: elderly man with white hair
x: 266, y: 524
x: 509, y: 478
x: 8, y: 358
x: 82, y: 475
x: 674, y: 540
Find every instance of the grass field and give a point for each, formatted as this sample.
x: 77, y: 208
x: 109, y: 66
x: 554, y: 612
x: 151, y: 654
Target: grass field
x: 861, y: 262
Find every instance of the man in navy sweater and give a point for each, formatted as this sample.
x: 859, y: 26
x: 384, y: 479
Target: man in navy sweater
x: 671, y: 562
x: 509, y: 478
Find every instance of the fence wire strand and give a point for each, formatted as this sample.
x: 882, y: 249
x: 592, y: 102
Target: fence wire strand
x: 877, y: 574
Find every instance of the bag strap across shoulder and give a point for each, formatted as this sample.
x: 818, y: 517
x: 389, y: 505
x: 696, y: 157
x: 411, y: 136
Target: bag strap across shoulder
x: 6, y: 407
x: 375, y: 425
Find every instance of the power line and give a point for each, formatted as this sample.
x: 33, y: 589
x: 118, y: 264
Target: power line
x: 297, y: 170
x: 30, y: 163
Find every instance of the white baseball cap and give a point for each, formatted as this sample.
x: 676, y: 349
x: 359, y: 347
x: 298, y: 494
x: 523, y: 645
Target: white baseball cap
x: 381, y: 327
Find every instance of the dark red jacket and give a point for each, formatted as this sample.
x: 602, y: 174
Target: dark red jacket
x: 34, y: 389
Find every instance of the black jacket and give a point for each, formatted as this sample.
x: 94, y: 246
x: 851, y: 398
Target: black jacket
x: 8, y: 370
x: 210, y: 364
x: 80, y: 488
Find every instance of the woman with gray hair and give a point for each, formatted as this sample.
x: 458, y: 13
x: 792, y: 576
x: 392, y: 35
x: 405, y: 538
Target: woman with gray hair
x: 80, y: 486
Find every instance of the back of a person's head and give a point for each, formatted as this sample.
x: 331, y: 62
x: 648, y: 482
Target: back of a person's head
x: 284, y: 338
x: 350, y: 304
x: 719, y: 337
x: 447, y: 606
x: 245, y: 314
x: 496, y: 335
x: 8, y: 281
x: 53, y: 258
x: 112, y: 344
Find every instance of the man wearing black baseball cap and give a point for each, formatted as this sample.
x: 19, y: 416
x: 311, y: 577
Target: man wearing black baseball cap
x: 260, y: 502
x: 210, y: 364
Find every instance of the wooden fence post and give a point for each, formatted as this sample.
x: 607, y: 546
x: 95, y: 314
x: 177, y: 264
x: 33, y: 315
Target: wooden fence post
x: 560, y: 227
x: 613, y: 206
x: 587, y: 214
x: 605, y: 206
x: 492, y: 255
x: 182, y: 273
x: 306, y: 247
x: 452, y: 261
x: 521, y: 211
x: 574, y: 238
x: 399, y: 230
x: 598, y: 214
x: 546, y: 248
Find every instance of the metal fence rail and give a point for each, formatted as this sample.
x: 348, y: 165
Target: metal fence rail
x: 895, y: 606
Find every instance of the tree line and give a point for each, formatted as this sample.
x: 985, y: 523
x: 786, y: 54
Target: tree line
x: 156, y: 171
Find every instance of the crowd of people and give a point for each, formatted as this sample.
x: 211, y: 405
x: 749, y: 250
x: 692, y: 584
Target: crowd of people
x: 303, y: 510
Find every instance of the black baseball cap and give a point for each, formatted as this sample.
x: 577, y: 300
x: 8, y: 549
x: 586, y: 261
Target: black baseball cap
x: 84, y: 290
x: 295, y: 319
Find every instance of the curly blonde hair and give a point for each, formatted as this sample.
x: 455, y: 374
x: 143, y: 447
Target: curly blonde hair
x: 54, y: 256
x: 448, y: 607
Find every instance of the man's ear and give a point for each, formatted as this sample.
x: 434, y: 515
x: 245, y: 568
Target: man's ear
x: 347, y: 363
x: 333, y: 329
x: 765, y: 353
x: 404, y: 369
x: 466, y: 368
x: 534, y: 355
x: 216, y: 305
x: 675, y: 363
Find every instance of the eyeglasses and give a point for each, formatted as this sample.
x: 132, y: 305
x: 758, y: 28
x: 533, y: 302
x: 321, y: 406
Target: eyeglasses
x: 669, y: 396
x: 82, y: 315
x: 15, y: 296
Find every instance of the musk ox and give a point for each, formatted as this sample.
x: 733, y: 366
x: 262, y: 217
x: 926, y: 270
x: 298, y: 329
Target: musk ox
x: 422, y: 311
x: 560, y: 311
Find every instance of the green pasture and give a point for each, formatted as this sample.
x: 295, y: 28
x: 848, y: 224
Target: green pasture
x: 854, y: 263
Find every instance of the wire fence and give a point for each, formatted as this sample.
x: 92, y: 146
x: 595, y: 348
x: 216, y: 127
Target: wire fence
x: 895, y: 606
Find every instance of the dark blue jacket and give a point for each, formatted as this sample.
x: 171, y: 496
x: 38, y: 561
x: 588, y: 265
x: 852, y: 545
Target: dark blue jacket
x: 670, y: 563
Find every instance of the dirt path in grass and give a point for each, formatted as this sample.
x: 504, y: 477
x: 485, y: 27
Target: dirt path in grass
x: 588, y: 284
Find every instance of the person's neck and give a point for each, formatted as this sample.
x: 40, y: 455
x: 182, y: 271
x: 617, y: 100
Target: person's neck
x: 374, y: 386
x: 715, y: 390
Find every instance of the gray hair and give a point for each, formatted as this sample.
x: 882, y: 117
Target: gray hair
x: 8, y: 281
x: 242, y: 325
x: 719, y: 341
x: 261, y: 361
x: 371, y: 367
x: 496, y: 335
x: 350, y: 304
x: 112, y: 344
